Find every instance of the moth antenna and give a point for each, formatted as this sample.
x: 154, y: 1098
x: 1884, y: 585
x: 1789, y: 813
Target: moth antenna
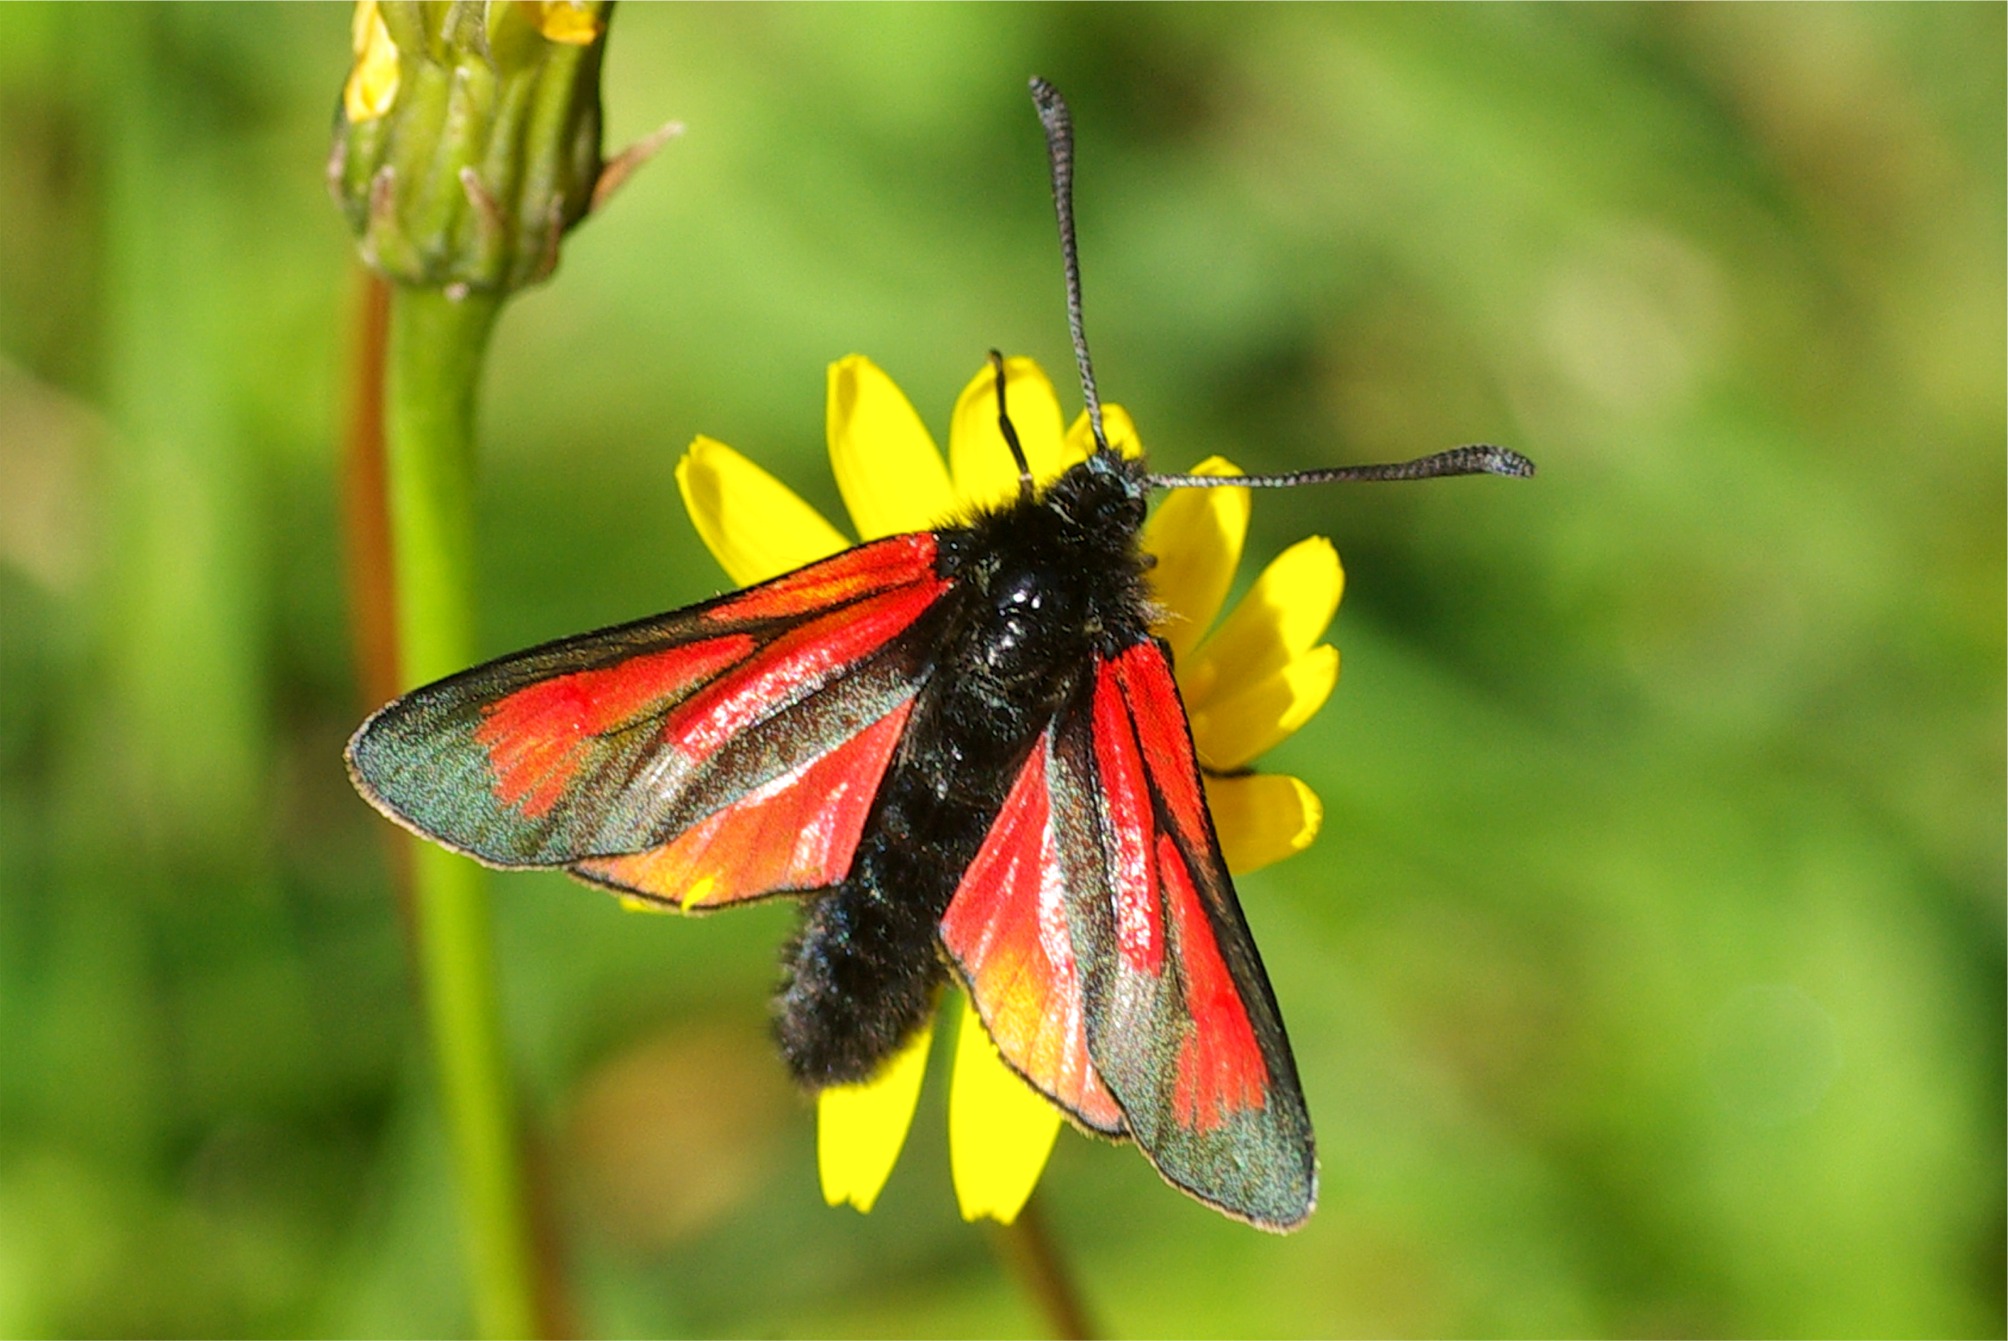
x: 1010, y: 433
x: 1059, y: 124
x: 1480, y: 458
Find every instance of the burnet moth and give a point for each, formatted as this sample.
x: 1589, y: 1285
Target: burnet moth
x: 963, y: 751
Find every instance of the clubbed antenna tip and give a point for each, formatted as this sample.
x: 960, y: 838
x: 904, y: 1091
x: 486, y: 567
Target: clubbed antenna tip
x: 1059, y: 125
x: 1481, y: 458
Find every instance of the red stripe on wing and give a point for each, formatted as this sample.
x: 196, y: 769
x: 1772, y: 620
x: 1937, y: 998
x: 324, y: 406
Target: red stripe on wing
x: 1126, y: 798
x: 537, y: 737
x: 1151, y: 695
x: 895, y: 561
x: 797, y: 832
x: 1220, y: 1067
x: 796, y: 661
x: 1006, y: 928
x: 1138, y: 716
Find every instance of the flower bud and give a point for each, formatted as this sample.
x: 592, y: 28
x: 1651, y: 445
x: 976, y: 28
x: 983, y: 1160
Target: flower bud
x: 468, y: 138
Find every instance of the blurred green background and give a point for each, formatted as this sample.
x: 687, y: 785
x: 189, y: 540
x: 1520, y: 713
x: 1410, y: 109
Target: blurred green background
x: 1648, y: 978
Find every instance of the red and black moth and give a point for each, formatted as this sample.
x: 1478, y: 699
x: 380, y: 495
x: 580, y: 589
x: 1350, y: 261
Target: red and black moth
x: 963, y: 750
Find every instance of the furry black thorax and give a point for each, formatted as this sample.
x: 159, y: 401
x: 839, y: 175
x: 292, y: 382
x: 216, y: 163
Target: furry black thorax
x: 1040, y: 589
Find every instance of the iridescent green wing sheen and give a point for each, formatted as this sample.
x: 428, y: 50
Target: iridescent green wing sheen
x: 1181, y: 1025
x: 623, y: 741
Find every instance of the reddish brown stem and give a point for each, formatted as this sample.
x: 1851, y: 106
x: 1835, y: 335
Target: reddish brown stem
x: 365, y: 512
x: 366, y: 544
x: 1029, y: 1252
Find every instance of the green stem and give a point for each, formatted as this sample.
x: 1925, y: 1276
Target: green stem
x: 432, y: 372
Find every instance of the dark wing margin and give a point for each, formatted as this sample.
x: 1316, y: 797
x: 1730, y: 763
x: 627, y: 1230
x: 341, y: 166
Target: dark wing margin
x: 660, y: 751
x: 1182, y: 1026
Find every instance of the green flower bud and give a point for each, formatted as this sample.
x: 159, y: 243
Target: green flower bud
x: 468, y: 138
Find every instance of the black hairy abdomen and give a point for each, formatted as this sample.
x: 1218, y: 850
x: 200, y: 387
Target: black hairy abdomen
x: 1036, y: 591
x: 862, y: 974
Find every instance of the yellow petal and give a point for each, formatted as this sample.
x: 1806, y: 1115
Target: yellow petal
x: 1196, y: 535
x: 1116, y: 423
x: 985, y: 474
x: 1000, y: 1130
x: 360, y: 20
x: 887, y: 467
x: 860, y: 1128
x: 372, y: 84
x: 1281, y: 617
x: 571, y: 24
x: 1262, y: 818
x: 1236, y: 726
x: 753, y: 523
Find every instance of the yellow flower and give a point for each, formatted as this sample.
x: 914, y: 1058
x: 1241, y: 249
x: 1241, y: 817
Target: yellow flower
x: 1260, y: 675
